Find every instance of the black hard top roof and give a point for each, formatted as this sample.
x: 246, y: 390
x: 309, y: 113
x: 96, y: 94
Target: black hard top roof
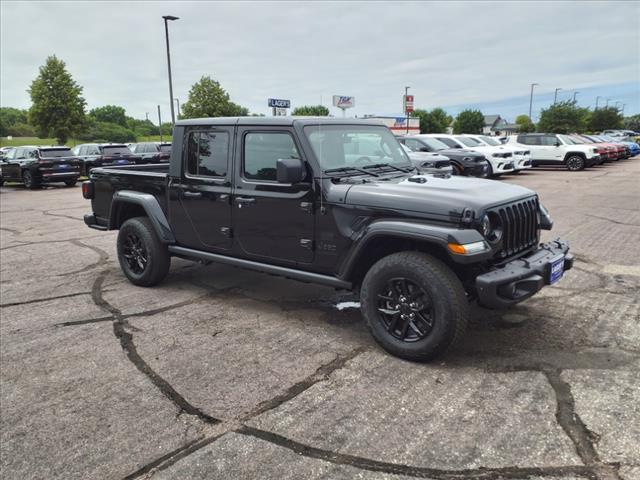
x: 278, y: 121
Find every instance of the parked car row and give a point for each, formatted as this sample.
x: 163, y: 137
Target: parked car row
x: 39, y: 165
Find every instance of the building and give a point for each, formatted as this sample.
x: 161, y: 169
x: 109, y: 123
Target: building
x: 398, y: 125
x: 496, y: 125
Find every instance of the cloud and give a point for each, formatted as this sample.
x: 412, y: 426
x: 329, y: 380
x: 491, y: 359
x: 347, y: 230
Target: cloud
x: 453, y: 53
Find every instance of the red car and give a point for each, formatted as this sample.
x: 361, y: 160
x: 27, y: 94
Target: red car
x: 606, y: 153
x: 618, y: 148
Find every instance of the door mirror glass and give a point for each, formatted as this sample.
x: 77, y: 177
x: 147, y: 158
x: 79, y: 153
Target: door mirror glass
x: 290, y: 170
x: 424, y: 149
x: 557, y: 144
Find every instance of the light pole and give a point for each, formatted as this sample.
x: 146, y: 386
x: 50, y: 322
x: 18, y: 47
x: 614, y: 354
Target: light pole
x: 406, y: 111
x: 607, y: 105
x: 160, y: 123
x: 597, y: 98
x: 178, y: 106
x: 168, y: 18
x: 622, y: 109
x: 555, y: 95
x: 531, y: 100
x: 147, y: 115
x: 574, y: 96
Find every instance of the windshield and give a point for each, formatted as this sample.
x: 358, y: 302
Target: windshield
x: 433, y: 143
x: 115, y: 149
x: 490, y: 141
x: 355, y: 146
x: 55, y: 153
x: 566, y: 139
x: 578, y: 139
x: 469, y: 142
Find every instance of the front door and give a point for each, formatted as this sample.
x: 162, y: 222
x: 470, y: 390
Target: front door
x: 200, y: 200
x: 549, y: 150
x: 272, y: 221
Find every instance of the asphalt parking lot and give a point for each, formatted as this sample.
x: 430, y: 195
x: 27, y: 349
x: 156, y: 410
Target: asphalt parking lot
x: 224, y: 373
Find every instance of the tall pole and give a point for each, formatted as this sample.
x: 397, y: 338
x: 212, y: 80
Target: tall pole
x: 574, y: 95
x: 531, y: 101
x: 597, y: 98
x: 147, y: 115
x: 406, y: 111
x: 555, y: 96
x: 607, y: 106
x: 168, y: 18
x: 622, y: 110
x: 160, y: 123
x: 178, y: 106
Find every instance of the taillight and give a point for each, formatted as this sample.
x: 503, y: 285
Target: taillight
x: 87, y: 189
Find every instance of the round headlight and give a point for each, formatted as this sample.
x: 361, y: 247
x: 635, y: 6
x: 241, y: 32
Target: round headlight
x: 491, y: 227
x: 485, y: 226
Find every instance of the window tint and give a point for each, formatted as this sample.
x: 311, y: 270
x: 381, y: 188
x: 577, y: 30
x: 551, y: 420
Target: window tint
x: 31, y: 153
x: 549, y: 140
x: 55, y: 152
x: 207, y: 153
x: 115, y: 149
x: 92, y: 150
x: 448, y: 142
x: 413, y: 144
x: 529, y: 140
x: 262, y: 151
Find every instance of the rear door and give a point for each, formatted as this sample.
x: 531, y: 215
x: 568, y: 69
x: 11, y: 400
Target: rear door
x: 272, y: 221
x: 200, y: 200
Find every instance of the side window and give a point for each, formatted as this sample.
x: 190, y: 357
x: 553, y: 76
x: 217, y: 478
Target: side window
x: 549, y: 140
x: 529, y: 140
x: 412, y: 144
x: 93, y: 150
x: 33, y: 153
x: 262, y: 151
x: 207, y: 153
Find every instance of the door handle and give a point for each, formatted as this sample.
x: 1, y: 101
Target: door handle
x: 192, y: 194
x: 245, y: 200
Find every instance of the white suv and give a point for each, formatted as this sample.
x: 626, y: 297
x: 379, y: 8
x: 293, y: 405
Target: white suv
x: 556, y: 149
x: 500, y: 158
x: 521, y: 156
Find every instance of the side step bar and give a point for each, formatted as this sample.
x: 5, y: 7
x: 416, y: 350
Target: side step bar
x: 300, y: 275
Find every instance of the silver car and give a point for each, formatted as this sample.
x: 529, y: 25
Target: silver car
x: 431, y: 163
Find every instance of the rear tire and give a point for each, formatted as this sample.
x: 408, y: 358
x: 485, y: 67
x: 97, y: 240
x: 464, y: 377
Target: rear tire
x: 575, y: 163
x: 414, y: 305
x: 144, y: 259
x: 455, y: 169
x: 71, y: 183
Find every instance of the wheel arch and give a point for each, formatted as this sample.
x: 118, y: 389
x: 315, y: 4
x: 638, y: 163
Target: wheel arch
x: 570, y: 154
x: 129, y: 204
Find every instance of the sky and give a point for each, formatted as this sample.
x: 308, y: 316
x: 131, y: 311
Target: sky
x: 456, y: 54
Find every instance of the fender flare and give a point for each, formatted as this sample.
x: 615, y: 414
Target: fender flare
x: 433, y: 234
x: 151, y: 207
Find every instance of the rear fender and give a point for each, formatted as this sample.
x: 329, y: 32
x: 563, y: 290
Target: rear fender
x: 151, y: 207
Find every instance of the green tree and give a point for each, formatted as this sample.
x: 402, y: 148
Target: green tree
x: 142, y: 128
x: 632, y: 123
x: 9, y: 117
x: 563, y: 117
x: 525, y: 125
x: 208, y: 99
x: 110, y: 114
x: 57, y: 105
x: 605, y: 118
x: 106, y: 132
x: 435, y: 121
x: 469, y: 121
x: 311, y: 111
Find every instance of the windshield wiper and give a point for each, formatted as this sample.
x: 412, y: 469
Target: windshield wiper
x: 380, y: 165
x: 350, y: 169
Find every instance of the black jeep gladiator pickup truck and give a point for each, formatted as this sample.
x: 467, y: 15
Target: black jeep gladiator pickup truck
x: 296, y: 197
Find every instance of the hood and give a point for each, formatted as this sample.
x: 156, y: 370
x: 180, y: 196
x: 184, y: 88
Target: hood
x: 425, y: 156
x: 445, y: 197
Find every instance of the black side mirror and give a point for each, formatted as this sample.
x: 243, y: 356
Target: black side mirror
x: 424, y: 149
x: 557, y: 144
x: 290, y: 170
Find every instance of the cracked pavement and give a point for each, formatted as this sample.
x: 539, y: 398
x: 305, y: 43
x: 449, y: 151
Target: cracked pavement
x: 225, y: 373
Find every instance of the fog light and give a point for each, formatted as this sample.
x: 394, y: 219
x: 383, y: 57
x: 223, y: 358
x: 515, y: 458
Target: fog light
x: 468, y: 248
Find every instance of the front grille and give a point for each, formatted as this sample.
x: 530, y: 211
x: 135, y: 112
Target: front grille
x: 519, y: 226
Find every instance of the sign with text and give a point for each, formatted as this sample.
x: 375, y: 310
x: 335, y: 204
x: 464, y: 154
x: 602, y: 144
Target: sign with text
x: 408, y: 103
x: 279, y: 103
x: 341, y: 101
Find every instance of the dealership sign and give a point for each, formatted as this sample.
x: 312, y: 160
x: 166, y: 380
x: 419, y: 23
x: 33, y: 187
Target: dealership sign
x: 279, y: 103
x: 344, y: 102
x: 408, y: 103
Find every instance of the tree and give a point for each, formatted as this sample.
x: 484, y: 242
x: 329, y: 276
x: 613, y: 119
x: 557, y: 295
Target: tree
x: 110, y: 114
x: 469, y: 121
x: 106, y: 132
x: 632, y: 123
x: 142, y: 128
x: 564, y: 117
x: 57, y: 105
x: 208, y: 99
x: 435, y: 121
x: 525, y: 125
x: 311, y: 111
x: 605, y: 118
x: 9, y: 117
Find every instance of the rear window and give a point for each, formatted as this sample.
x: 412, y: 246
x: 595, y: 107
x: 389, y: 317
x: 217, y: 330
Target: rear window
x: 113, y: 149
x: 165, y: 148
x: 55, y: 152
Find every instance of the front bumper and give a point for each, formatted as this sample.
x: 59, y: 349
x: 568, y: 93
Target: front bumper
x: 522, y: 278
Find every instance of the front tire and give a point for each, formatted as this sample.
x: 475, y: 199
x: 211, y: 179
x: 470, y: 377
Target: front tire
x: 414, y: 305
x: 71, y: 183
x: 575, y: 163
x: 29, y: 181
x: 144, y: 259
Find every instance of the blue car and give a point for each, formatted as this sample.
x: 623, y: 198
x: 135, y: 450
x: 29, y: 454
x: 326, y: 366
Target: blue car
x: 633, y: 147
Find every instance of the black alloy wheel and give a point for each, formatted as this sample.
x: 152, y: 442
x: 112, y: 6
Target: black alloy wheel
x: 575, y: 163
x: 135, y: 253
x: 405, y: 310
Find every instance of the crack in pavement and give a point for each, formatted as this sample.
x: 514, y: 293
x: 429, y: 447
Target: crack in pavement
x: 40, y: 242
x: 46, y: 299
x: 101, y: 261
x: 611, y: 220
x: 47, y: 212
